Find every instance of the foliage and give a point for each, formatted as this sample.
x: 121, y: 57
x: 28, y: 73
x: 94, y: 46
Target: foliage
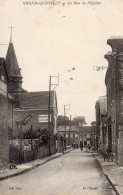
x: 79, y: 120
x: 41, y: 134
x: 10, y: 134
x: 93, y: 123
x: 63, y: 120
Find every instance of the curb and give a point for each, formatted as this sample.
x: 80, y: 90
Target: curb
x: 29, y: 169
x: 110, y: 182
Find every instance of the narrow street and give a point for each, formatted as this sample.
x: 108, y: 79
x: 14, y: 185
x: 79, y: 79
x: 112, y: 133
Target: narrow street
x: 74, y: 173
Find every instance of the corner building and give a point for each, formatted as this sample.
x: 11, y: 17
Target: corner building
x: 4, y: 143
x: 114, y: 90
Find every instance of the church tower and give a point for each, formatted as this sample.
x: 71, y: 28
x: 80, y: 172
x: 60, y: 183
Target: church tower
x: 13, y: 70
x: 14, y: 86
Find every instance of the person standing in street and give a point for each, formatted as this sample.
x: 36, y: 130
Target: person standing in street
x: 81, y: 145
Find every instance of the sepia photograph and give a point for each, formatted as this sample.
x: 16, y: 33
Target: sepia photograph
x: 61, y: 97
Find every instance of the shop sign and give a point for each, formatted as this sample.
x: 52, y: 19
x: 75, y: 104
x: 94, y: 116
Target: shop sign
x: 43, y: 118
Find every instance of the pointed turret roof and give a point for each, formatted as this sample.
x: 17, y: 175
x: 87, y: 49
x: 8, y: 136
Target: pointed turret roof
x: 11, y: 62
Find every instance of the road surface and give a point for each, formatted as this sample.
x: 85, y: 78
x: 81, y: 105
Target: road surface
x: 75, y: 173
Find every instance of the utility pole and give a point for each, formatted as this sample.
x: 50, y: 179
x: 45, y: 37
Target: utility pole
x: 55, y: 84
x: 49, y: 112
x: 69, y: 131
x: 66, y: 109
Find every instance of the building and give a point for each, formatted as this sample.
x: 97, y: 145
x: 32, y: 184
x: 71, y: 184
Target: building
x: 114, y: 89
x: 23, y: 110
x: 25, y: 105
x: 86, y: 135
x: 70, y: 133
x: 97, y: 135
x: 35, y: 104
x: 75, y: 134
x: 101, y: 111
x: 94, y: 132
x: 4, y: 144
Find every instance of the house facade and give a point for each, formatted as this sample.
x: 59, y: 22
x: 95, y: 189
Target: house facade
x: 86, y: 135
x: 67, y: 136
x: 114, y: 88
x: 34, y: 106
x: 4, y: 143
x: 100, y: 142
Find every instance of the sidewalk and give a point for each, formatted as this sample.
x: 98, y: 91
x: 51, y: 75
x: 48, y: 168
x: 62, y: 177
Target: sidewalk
x: 113, y: 172
x: 23, y: 168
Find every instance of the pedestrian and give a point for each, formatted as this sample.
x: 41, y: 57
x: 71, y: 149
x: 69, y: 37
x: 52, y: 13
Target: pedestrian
x: 89, y: 147
x: 62, y: 150
x: 81, y: 145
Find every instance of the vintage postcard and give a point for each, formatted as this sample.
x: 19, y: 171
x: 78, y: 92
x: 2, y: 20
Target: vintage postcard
x: 61, y: 97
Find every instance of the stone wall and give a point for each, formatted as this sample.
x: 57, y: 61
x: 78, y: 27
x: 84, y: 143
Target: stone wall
x: 4, y: 145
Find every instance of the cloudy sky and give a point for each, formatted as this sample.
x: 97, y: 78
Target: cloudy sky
x: 50, y: 40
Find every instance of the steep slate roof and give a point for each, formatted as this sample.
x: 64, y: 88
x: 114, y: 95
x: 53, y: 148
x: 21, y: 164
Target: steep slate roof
x: 85, y: 129
x: 11, y: 62
x: 36, y: 99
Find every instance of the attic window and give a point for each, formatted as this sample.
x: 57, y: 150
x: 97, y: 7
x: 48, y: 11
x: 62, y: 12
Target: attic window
x: 2, y: 78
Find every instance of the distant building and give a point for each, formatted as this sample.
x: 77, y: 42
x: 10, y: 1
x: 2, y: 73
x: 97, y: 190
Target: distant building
x: 71, y: 133
x: 86, y: 135
x: 76, y: 134
x: 101, y: 111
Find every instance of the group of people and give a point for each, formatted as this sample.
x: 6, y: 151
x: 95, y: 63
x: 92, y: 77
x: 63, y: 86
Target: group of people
x: 81, y: 146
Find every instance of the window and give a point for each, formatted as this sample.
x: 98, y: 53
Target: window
x: 76, y: 135
x: 88, y: 135
x: 2, y: 78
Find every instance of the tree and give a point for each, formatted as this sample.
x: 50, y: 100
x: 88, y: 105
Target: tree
x: 79, y: 120
x: 62, y: 120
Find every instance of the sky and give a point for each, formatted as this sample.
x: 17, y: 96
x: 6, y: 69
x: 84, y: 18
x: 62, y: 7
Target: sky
x: 51, y: 40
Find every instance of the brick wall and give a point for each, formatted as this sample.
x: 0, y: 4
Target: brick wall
x: 114, y: 84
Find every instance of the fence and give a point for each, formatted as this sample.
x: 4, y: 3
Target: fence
x: 26, y: 155
x: 14, y: 154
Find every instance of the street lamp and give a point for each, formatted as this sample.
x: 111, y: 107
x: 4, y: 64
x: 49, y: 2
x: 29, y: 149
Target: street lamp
x: 98, y: 68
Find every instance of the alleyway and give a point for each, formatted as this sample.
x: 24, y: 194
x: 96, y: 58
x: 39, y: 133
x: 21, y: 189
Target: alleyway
x: 75, y: 173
